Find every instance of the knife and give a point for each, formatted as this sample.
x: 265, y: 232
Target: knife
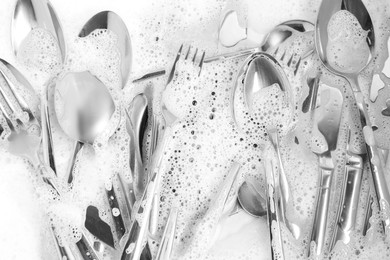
x: 327, y: 119
x: 348, y: 205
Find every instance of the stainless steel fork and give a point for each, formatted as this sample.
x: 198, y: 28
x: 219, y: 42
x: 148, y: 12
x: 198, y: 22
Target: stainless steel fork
x: 25, y: 141
x: 148, y: 206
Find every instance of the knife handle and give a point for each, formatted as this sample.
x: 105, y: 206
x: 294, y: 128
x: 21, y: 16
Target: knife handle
x: 321, y: 212
x: 348, y: 205
x: 86, y: 250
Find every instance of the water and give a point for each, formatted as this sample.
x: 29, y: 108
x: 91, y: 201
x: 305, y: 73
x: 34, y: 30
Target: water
x: 205, y: 140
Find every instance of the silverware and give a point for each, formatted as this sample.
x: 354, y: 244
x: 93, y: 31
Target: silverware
x: 166, y: 244
x: 84, y: 108
x: 273, y: 212
x: 348, y: 205
x: 31, y: 14
x: 111, y: 21
x: 358, y: 9
x: 327, y: 119
x: 136, y: 123
x: 251, y: 200
x: 273, y: 39
x: 135, y: 243
x: 25, y: 140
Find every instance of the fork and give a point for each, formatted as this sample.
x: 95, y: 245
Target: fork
x: 25, y: 141
x: 148, y: 206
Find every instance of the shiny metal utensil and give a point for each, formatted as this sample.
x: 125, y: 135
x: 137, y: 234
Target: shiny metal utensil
x: 259, y: 71
x: 135, y: 243
x: 136, y: 122
x: 250, y: 199
x: 25, y: 141
x: 349, y: 202
x: 108, y: 20
x: 272, y: 43
x: 358, y: 9
x: 84, y: 108
x: 166, y: 245
x: 273, y: 212
x: 309, y: 104
x: 31, y: 14
x: 272, y: 40
x: 327, y: 119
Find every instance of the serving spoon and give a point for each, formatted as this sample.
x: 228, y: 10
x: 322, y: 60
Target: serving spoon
x: 108, y: 20
x: 357, y: 8
x: 249, y: 199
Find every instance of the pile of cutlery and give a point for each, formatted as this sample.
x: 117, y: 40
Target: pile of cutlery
x: 264, y: 66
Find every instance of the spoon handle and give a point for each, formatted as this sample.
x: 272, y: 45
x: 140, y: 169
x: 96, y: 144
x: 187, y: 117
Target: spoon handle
x: 374, y: 157
x: 76, y: 149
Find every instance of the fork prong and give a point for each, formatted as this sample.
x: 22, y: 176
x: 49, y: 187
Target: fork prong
x: 201, y: 62
x: 188, y: 52
x: 21, y: 102
x: 196, y: 52
x: 7, y: 118
x: 297, y: 66
x: 172, y: 73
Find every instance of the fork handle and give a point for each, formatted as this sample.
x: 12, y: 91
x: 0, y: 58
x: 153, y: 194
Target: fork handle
x: 321, y: 211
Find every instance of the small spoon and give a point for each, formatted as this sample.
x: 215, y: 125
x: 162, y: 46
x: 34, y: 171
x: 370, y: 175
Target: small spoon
x: 358, y: 9
x: 31, y: 14
x: 251, y: 201
x: 113, y: 22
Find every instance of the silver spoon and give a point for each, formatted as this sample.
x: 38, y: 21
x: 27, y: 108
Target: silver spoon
x: 357, y: 8
x: 250, y: 199
x: 84, y: 108
x: 31, y: 14
x: 113, y: 22
x: 247, y: 196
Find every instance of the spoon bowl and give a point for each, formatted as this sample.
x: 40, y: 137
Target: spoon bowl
x: 250, y: 199
x: 32, y: 14
x: 327, y: 10
x: 83, y: 106
x: 108, y: 20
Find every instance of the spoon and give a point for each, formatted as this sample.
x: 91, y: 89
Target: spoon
x: 247, y: 193
x: 108, y: 20
x: 250, y: 199
x: 358, y: 9
x: 31, y: 14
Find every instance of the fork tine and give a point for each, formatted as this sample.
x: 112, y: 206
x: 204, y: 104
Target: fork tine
x: 201, y: 62
x: 188, y: 52
x: 172, y: 72
x: 7, y: 119
x: 196, y: 52
x: 166, y: 244
x: 297, y: 66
